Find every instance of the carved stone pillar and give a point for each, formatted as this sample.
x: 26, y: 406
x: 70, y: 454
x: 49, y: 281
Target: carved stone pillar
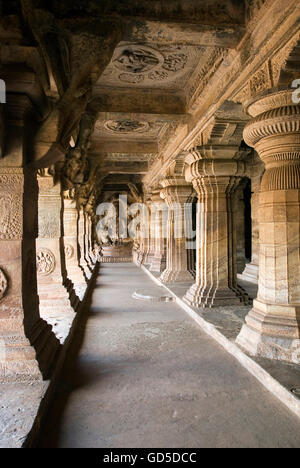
x: 215, y: 181
x: 82, y: 246
x: 148, y: 242
x: 251, y: 270
x: 239, y: 227
x: 87, y: 242
x: 28, y: 346
x: 175, y: 192
x: 55, y: 305
x: 272, y: 326
x: 158, y: 216
x: 74, y: 272
x: 19, y: 309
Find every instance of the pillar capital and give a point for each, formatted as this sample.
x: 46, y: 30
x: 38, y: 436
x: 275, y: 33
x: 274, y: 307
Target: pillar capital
x: 199, y: 167
x: 275, y: 134
x: 175, y: 190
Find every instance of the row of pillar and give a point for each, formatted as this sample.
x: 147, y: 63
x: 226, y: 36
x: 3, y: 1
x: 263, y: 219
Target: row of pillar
x: 46, y: 263
x: 272, y: 328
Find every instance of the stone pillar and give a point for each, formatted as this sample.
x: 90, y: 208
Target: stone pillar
x: 239, y: 226
x: 82, y: 246
x: 87, y: 242
x: 28, y: 348
x: 90, y: 242
x: 148, y: 244
x: 175, y: 192
x: 74, y: 272
x: 272, y: 327
x: 215, y: 181
x: 251, y: 270
x: 55, y: 306
x: 158, y: 216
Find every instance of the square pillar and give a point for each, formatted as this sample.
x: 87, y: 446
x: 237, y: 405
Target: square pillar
x: 55, y: 306
x: 176, y: 192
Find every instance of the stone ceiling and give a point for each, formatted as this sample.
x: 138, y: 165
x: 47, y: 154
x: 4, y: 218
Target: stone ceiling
x: 134, y: 83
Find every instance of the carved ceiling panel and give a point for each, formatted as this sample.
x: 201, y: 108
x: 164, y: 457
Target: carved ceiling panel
x: 128, y: 128
x: 144, y: 66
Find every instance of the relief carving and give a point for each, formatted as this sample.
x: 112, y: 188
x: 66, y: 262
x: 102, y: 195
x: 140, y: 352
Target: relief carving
x: 69, y: 251
x: 11, y: 222
x: 126, y: 126
x: 136, y: 59
x: 3, y: 284
x: 48, y: 225
x: 45, y: 261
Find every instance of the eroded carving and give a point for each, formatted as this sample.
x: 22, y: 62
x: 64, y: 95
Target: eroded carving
x: 69, y: 251
x: 137, y: 59
x: 11, y: 206
x: 3, y: 284
x: 126, y: 126
x: 45, y: 261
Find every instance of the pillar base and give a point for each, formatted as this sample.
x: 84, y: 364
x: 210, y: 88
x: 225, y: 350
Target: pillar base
x: 196, y: 297
x: 56, y: 309
x: 158, y: 264
x: 24, y: 360
x: 172, y: 276
x: 250, y: 273
x: 272, y: 331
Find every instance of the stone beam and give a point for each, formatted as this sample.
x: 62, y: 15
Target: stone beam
x: 123, y: 146
x: 145, y: 117
x: 124, y: 167
x: 142, y: 101
x: 156, y: 32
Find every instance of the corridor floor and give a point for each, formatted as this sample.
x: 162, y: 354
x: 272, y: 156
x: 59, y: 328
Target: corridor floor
x: 143, y: 374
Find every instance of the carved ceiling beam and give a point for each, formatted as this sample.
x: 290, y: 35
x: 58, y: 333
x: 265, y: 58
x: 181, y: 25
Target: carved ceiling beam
x: 119, y: 145
x: 191, y: 34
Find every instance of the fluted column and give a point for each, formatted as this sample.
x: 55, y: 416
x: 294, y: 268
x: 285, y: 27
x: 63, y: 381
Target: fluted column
x: 158, y: 217
x: 215, y: 181
x: 55, y: 306
x: 74, y: 272
x: 272, y: 326
x: 176, y: 192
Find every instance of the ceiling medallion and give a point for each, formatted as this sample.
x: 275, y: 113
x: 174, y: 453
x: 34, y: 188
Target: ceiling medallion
x: 126, y: 126
x: 137, y: 59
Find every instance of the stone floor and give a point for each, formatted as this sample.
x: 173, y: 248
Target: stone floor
x: 19, y: 405
x: 143, y: 374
